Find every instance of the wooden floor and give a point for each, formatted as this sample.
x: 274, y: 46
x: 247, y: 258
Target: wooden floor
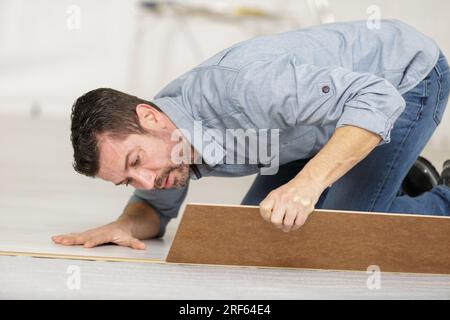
x: 40, y: 196
x: 22, y: 277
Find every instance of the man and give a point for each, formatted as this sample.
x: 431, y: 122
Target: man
x: 351, y: 107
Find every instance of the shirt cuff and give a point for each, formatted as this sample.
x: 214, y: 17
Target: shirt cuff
x: 367, y: 119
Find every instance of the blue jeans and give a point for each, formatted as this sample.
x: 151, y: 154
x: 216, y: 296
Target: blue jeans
x: 373, y: 185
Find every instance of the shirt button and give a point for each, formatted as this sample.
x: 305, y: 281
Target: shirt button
x: 326, y: 89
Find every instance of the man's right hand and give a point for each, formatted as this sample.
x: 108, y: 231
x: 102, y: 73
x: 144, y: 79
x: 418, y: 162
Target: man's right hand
x: 118, y: 232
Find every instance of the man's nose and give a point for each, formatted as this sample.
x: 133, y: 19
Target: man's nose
x: 144, y: 179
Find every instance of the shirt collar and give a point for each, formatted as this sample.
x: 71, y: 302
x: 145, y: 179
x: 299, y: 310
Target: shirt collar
x: 197, y: 137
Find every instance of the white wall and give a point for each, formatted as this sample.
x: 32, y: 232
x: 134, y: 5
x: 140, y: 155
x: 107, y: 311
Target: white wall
x: 44, y: 62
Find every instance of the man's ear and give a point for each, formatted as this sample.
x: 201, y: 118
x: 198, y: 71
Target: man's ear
x: 147, y: 115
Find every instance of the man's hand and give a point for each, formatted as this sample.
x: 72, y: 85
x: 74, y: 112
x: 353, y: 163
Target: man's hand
x: 118, y: 232
x: 289, y: 206
x: 138, y: 221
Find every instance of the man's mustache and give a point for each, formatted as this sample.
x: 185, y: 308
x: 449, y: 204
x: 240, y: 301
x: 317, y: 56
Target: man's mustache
x: 159, y: 184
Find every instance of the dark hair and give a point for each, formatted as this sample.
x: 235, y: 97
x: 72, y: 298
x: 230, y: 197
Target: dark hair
x: 98, y: 112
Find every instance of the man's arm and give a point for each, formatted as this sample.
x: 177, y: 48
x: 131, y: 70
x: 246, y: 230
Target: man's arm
x: 283, y: 92
x: 145, y: 217
x: 347, y: 147
x: 139, y: 221
x: 289, y: 206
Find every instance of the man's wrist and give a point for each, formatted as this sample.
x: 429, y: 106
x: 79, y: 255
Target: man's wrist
x: 125, y: 222
x: 311, y: 180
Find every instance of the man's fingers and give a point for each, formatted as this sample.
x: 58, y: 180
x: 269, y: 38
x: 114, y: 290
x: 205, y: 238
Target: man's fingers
x: 99, y: 236
x: 278, y: 213
x: 289, y: 218
x: 300, y: 220
x: 67, y: 240
x: 97, y: 240
x: 81, y: 239
x: 70, y: 239
x: 94, y: 241
x: 56, y: 238
x: 60, y: 237
x: 266, y: 207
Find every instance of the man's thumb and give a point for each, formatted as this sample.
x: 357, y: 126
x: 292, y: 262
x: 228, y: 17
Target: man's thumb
x: 137, y: 244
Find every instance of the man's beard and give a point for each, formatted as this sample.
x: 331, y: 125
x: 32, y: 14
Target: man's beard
x: 181, y: 173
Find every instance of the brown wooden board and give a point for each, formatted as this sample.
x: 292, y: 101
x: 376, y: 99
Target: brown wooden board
x: 330, y: 240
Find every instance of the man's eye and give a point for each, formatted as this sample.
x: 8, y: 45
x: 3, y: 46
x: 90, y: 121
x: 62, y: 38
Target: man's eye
x: 136, y: 162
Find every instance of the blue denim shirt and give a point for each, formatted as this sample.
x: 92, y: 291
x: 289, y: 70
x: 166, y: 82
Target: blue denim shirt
x: 305, y: 83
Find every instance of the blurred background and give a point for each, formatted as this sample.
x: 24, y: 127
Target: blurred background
x: 53, y: 51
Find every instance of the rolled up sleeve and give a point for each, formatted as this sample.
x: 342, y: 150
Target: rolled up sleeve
x: 371, y: 103
x: 166, y: 203
x: 293, y: 94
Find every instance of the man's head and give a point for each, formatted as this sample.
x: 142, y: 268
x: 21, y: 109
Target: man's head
x: 126, y: 140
